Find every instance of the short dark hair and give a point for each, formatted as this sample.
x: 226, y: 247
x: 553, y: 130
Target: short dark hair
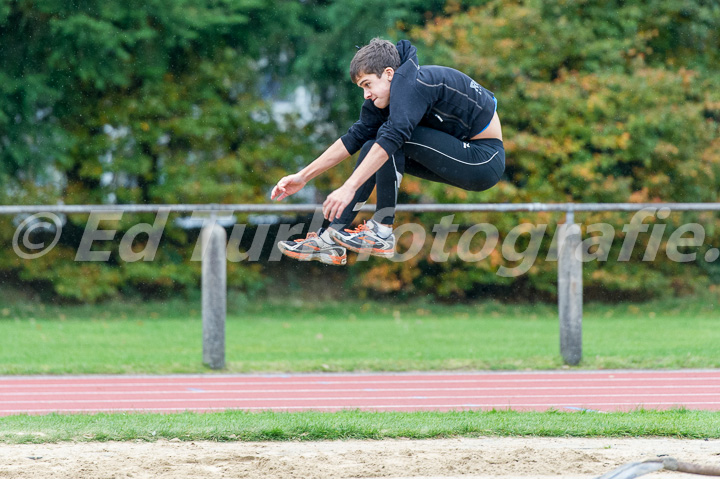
x: 374, y: 57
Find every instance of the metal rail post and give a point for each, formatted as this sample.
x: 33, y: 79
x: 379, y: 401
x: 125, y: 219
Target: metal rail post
x: 570, y: 291
x: 214, y: 293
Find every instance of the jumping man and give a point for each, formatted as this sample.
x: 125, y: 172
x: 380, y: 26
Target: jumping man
x: 428, y: 121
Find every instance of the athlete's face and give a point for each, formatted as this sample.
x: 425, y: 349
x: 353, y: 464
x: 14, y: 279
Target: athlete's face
x: 377, y: 88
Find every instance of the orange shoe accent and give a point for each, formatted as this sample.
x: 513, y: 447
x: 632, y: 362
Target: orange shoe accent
x: 296, y: 255
x: 312, y: 234
x: 362, y: 227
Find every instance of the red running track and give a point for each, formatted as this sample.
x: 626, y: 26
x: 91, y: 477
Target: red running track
x: 522, y: 391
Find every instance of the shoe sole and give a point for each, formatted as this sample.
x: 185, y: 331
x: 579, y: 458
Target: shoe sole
x: 371, y: 251
x: 323, y: 258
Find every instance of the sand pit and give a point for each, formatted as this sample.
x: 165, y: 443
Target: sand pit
x: 486, y: 458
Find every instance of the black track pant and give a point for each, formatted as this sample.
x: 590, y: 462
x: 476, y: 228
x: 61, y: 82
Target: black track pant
x: 432, y: 155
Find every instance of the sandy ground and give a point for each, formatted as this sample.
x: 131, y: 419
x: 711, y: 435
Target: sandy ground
x: 478, y: 458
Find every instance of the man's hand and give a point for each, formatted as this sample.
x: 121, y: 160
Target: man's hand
x: 287, y: 186
x: 337, y: 201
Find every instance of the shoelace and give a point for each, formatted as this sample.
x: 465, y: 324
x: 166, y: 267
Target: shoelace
x: 359, y: 229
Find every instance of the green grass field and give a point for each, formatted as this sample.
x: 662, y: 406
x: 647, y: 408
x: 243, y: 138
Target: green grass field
x: 302, y: 336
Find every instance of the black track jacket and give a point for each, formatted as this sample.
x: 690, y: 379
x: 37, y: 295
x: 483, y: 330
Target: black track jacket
x: 434, y: 96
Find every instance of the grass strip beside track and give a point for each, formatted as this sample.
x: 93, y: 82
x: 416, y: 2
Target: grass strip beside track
x: 314, y: 426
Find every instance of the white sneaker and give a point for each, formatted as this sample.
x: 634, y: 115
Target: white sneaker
x: 314, y: 248
x: 365, y: 238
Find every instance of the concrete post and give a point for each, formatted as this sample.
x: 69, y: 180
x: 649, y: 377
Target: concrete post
x: 214, y: 294
x: 570, y: 291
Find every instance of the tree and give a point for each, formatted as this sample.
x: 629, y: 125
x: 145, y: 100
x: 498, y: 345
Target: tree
x: 136, y: 102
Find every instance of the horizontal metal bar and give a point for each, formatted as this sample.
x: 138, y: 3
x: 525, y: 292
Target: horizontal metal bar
x: 309, y: 208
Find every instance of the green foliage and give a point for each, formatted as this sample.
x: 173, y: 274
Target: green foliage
x: 80, y: 51
x: 136, y: 102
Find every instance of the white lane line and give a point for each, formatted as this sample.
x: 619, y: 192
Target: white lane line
x: 569, y: 379
x: 502, y: 399
x: 338, y: 390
